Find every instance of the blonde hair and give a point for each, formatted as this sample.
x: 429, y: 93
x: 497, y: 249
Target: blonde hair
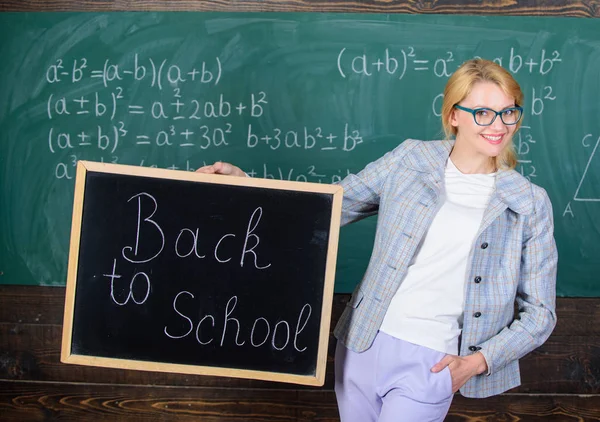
x: 460, y: 85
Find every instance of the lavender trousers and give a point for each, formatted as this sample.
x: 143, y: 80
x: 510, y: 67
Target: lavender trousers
x: 391, y: 381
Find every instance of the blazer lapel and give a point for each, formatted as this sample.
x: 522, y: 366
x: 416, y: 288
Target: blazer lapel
x: 512, y: 191
x: 435, y: 181
x: 493, y: 211
x: 430, y: 160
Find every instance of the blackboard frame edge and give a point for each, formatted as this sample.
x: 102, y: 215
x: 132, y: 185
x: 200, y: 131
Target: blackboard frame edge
x: 80, y: 177
x: 336, y: 191
x: 329, y: 284
x: 153, y: 366
x: 183, y: 175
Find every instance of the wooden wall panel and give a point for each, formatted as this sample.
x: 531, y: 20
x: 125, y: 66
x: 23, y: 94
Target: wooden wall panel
x: 44, y: 402
x: 577, y: 8
x: 563, y: 365
x: 561, y: 380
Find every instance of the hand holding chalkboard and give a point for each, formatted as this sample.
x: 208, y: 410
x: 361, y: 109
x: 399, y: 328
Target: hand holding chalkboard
x: 220, y: 167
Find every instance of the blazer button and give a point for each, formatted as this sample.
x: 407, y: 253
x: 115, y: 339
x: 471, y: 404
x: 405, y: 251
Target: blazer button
x: 473, y: 348
x: 484, y: 245
x: 477, y: 314
x: 477, y: 279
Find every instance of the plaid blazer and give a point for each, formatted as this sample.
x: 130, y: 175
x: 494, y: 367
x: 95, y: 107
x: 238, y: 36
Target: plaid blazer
x: 513, y: 258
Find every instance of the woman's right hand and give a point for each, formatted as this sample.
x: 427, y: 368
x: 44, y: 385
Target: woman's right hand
x: 220, y: 167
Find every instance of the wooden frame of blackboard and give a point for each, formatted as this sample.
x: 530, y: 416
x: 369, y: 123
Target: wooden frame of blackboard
x: 67, y: 356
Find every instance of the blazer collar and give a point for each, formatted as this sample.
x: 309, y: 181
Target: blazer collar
x: 511, y: 188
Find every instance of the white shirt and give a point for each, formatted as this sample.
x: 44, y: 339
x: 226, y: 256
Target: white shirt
x: 428, y: 307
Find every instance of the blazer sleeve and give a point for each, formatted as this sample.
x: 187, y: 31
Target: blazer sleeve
x: 362, y: 191
x: 536, y: 292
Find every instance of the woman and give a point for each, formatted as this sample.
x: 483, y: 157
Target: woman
x: 460, y: 236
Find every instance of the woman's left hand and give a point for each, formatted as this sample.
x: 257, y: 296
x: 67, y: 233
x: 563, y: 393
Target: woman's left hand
x: 462, y: 368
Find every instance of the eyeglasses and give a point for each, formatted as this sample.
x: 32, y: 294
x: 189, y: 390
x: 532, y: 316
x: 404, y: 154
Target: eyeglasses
x: 487, y: 116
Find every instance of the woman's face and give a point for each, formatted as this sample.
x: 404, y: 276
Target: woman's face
x: 488, y: 141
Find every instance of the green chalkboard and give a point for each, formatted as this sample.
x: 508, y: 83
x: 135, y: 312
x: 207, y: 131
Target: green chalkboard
x: 288, y: 96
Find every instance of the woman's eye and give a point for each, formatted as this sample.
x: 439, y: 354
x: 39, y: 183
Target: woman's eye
x: 508, y: 112
x: 481, y: 113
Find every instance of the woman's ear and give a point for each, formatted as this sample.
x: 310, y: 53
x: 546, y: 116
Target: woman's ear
x: 453, y: 119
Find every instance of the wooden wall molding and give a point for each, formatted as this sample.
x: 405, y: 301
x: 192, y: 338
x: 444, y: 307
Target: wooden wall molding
x: 574, y: 8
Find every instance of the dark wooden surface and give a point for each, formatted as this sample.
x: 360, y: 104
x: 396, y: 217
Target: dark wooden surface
x: 577, y: 8
x: 561, y: 380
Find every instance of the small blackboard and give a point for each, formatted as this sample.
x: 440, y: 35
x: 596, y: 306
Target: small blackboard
x: 183, y: 272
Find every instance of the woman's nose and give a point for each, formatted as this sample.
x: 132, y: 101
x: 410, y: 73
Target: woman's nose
x: 498, y: 124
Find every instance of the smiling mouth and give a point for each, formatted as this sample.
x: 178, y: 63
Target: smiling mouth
x: 493, y: 139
